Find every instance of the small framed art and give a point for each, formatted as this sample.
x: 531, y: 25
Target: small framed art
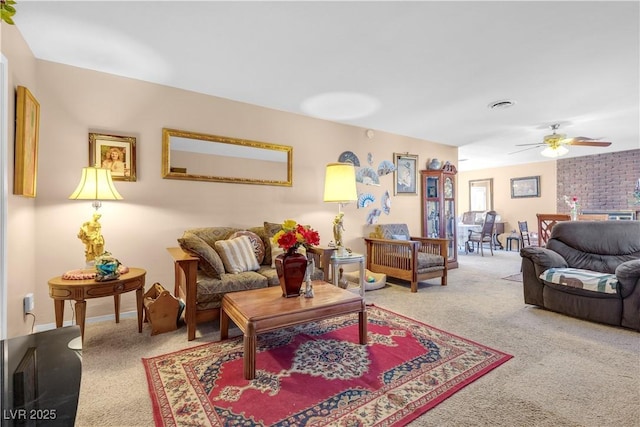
x: 528, y: 186
x: 117, y: 153
x: 405, y: 175
x: 26, y: 148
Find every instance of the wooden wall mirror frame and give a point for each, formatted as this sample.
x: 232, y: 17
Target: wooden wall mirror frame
x: 201, y: 157
x: 481, y: 194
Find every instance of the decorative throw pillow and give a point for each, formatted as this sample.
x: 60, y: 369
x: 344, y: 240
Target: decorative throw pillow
x: 256, y: 242
x: 237, y: 255
x: 210, y: 261
x: 272, y: 228
x: 275, y: 251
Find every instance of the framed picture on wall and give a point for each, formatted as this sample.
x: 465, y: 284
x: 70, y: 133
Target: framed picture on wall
x: 405, y: 175
x: 117, y: 153
x: 26, y: 148
x: 528, y: 186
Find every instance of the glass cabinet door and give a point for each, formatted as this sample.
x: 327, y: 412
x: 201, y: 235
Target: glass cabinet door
x: 433, y: 218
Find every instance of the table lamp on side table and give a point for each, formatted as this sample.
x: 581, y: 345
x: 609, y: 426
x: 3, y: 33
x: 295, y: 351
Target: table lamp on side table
x: 340, y: 187
x: 95, y: 184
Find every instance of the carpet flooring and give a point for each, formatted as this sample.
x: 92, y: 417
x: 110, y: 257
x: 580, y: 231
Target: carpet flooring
x: 318, y: 374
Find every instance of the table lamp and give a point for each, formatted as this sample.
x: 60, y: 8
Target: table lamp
x: 340, y: 187
x: 95, y: 184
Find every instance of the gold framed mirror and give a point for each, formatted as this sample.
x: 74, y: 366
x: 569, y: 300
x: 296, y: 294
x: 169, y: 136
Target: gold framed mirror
x: 201, y: 157
x: 481, y: 195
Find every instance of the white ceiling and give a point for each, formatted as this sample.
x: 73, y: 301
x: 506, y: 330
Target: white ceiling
x: 425, y: 69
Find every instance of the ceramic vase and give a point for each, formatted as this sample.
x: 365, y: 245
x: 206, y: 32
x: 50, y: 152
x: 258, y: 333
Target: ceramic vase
x: 291, y: 268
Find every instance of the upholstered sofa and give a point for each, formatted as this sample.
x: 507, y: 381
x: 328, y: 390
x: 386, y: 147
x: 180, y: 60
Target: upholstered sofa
x: 204, y: 272
x: 393, y: 251
x: 589, y: 270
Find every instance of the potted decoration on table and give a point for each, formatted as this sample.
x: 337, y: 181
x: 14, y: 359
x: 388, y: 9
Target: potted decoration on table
x: 291, y: 265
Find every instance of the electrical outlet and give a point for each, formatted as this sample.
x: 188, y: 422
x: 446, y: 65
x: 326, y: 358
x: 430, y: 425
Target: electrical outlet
x: 29, y: 304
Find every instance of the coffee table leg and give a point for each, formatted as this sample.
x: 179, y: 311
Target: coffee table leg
x: 362, y: 320
x: 250, y: 353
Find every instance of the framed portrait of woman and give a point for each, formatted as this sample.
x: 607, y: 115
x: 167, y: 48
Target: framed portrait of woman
x: 113, y: 152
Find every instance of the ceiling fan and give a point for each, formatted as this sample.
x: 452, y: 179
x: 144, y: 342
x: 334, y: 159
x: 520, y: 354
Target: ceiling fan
x: 555, y: 144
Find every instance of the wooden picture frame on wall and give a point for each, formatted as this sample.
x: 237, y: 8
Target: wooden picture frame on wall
x: 26, y: 146
x: 114, y: 152
x: 405, y: 174
x: 528, y: 186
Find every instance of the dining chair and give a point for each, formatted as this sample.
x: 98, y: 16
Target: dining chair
x: 546, y: 223
x: 527, y: 239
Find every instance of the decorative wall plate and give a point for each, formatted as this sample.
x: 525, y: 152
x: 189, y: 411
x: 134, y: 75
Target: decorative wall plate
x: 368, y: 176
x: 349, y: 157
x: 365, y: 199
x: 386, y: 167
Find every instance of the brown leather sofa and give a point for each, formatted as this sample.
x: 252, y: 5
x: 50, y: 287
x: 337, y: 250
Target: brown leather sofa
x: 610, y: 247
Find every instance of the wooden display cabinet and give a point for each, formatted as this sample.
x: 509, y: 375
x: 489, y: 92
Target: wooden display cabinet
x: 439, y: 208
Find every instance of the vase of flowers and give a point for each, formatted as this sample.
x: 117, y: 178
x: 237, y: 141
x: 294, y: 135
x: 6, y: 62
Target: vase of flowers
x: 291, y: 266
x: 573, y: 204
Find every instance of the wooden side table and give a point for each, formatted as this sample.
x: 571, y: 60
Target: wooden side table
x: 80, y: 290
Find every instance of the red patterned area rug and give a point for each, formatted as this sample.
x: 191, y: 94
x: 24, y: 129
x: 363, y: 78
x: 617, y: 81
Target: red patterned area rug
x: 317, y: 374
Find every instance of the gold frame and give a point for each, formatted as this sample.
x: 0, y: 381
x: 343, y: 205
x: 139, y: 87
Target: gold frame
x: 26, y: 146
x: 101, y: 144
x: 169, y: 172
x: 412, y: 160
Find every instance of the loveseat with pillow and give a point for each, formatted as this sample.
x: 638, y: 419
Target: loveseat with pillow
x: 587, y: 269
x: 213, y: 261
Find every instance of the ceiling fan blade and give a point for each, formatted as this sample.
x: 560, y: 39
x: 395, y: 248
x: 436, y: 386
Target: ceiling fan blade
x: 591, y: 143
x: 525, y: 149
x: 584, y: 138
x: 539, y: 144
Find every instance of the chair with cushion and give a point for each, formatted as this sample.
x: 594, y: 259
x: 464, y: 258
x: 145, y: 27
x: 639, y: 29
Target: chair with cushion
x: 393, y: 251
x: 483, y: 236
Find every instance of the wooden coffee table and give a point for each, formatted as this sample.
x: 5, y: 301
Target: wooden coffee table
x: 262, y: 310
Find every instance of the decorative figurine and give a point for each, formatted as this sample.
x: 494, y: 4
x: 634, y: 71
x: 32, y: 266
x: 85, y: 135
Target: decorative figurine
x: 91, y: 235
x: 308, y: 288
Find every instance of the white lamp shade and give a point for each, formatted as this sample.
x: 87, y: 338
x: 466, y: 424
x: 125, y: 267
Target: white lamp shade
x: 95, y: 184
x: 340, y: 183
x: 561, y: 150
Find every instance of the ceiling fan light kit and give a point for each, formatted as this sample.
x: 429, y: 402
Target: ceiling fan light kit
x: 554, y: 152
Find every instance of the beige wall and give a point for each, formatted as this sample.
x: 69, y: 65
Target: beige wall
x: 155, y: 211
x: 21, y: 220
x: 513, y: 210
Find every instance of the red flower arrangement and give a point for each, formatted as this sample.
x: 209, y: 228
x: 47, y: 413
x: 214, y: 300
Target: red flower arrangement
x: 294, y: 235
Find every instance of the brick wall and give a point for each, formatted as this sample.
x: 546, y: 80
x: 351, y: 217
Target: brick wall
x: 601, y: 182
